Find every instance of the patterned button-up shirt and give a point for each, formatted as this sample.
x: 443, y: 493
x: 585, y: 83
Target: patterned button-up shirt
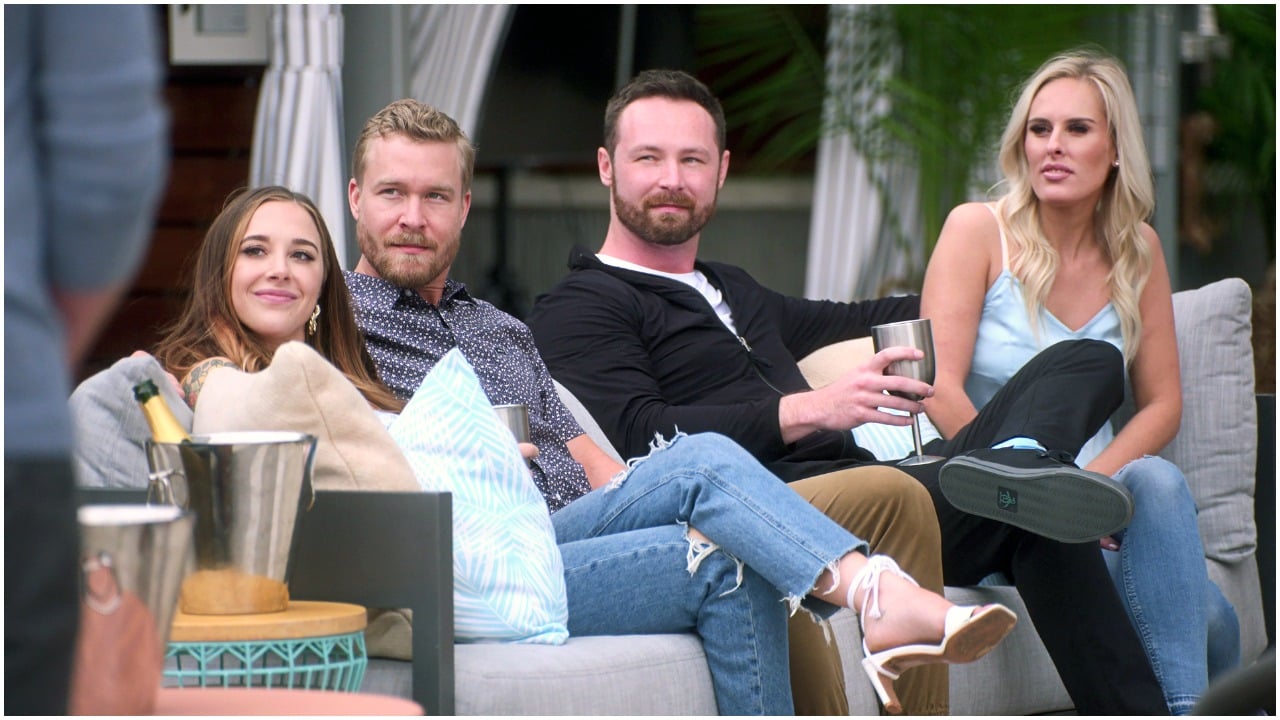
x: 407, y: 336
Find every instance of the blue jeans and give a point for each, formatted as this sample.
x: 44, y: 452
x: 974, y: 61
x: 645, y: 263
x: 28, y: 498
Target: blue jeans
x: 709, y: 482
x: 636, y: 583
x: 1187, y: 626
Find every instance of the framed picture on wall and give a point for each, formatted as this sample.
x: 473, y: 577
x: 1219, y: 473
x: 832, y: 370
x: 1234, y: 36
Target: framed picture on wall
x: 218, y: 34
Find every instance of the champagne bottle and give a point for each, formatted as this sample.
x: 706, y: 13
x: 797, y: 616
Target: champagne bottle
x: 165, y: 428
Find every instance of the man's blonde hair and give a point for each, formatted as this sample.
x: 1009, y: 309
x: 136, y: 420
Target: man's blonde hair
x: 418, y: 122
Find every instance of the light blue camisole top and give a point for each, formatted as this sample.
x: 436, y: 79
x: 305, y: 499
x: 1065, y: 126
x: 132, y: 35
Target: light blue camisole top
x: 1006, y: 341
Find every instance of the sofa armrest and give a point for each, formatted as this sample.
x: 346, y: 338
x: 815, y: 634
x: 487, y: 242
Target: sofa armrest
x: 387, y: 550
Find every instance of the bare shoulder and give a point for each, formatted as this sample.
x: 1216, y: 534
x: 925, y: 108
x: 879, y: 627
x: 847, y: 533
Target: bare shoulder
x: 971, y: 224
x: 970, y: 234
x: 1153, y: 239
x: 971, y: 214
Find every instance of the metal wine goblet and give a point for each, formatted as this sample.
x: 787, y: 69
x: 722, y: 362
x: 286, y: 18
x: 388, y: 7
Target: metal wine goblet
x: 917, y: 334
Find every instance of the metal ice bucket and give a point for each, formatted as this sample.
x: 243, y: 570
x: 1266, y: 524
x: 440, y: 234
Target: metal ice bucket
x: 247, y: 490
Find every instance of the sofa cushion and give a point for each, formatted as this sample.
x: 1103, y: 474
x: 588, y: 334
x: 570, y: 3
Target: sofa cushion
x: 508, y: 574
x: 605, y: 675
x: 300, y: 391
x: 111, y: 430
x: 588, y: 423
x: 1217, y: 444
x: 827, y: 363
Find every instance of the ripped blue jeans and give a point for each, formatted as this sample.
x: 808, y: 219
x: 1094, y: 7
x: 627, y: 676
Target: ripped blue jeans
x: 765, y: 539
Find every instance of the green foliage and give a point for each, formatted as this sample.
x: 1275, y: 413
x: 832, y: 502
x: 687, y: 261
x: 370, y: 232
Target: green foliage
x: 1241, y: 97
x: 932, y: 85
x: 960, y: 70
x: 766, y: 63
x: 950, y: 72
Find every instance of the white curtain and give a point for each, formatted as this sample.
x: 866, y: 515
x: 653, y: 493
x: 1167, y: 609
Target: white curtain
x: 450, y: 50
x: 854, y: 249
x: 297, y: 134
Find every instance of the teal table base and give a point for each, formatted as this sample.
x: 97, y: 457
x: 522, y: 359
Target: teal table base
x: 335, y: 662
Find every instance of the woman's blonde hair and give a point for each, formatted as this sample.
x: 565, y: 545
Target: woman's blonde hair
x: 1128, y: 196
x: 209, y: 326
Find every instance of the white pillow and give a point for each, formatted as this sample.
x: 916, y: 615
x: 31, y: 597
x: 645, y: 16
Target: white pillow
x: 508, y: 576
x: 893, y: 442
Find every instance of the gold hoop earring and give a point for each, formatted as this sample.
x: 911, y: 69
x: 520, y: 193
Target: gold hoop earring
x: 311, y: 322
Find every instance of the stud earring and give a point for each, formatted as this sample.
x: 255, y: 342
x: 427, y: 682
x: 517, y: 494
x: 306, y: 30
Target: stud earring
x: 1115, y: 163
x: 311, y: 322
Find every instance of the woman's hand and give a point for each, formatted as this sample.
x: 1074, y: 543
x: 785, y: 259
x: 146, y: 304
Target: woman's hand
x: 177, y: 386
x: 528, y: 451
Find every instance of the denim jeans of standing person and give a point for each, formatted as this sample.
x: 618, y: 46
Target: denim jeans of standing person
x: 638, y: 582
x: 1188, y: 628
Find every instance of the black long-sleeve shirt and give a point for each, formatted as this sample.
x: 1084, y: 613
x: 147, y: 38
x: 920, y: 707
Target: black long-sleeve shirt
x: 647, y: 354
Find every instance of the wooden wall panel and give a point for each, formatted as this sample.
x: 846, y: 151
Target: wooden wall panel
x: 199, y: 186
x: 211, y: 111
x: 169, y: 260
x: 211, y: 115
x: 135, y: 326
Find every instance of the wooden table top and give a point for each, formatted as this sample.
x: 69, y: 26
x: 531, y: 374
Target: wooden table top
x: 302, y: 619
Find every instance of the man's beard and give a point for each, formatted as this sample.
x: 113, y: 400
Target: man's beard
x: 669, y: 228
x: 406, y: 271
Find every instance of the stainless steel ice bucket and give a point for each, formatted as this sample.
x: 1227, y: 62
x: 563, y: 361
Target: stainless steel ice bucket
x: 247, y: 490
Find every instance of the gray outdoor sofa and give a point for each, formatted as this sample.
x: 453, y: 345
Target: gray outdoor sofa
x: 1217, y: 448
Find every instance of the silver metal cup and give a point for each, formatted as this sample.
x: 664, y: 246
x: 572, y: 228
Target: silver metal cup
x: 143, y: 550
x: 909, y: 333
x: 247, y: 491
x: 917, y: 334
x: 516, y: 418
x: 133, y: 561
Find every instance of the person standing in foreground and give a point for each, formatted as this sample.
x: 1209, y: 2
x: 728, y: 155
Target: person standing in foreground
x: 1066, y: 254
x: 84, y: 135
x: 410, y: 194
x: 651, y: 339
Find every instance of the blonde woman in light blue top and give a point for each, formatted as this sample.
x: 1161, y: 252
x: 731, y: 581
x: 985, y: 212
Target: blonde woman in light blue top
x: 1066, y: 254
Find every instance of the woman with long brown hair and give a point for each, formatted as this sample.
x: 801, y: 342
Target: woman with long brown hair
x: 256, y: 286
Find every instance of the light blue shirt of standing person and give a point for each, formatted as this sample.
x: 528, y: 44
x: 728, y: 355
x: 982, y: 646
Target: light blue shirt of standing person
x: 85, y: 159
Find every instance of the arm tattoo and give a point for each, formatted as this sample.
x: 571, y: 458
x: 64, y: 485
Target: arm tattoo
x: 194, y: 381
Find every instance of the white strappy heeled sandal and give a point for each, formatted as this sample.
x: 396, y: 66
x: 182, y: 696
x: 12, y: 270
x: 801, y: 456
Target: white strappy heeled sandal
x: 969, y: 632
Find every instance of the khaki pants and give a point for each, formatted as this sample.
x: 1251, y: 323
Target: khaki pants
x: 894, y: 514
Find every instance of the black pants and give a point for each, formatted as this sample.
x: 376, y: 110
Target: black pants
x: 1060, y: 398
x: 41, y: 584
